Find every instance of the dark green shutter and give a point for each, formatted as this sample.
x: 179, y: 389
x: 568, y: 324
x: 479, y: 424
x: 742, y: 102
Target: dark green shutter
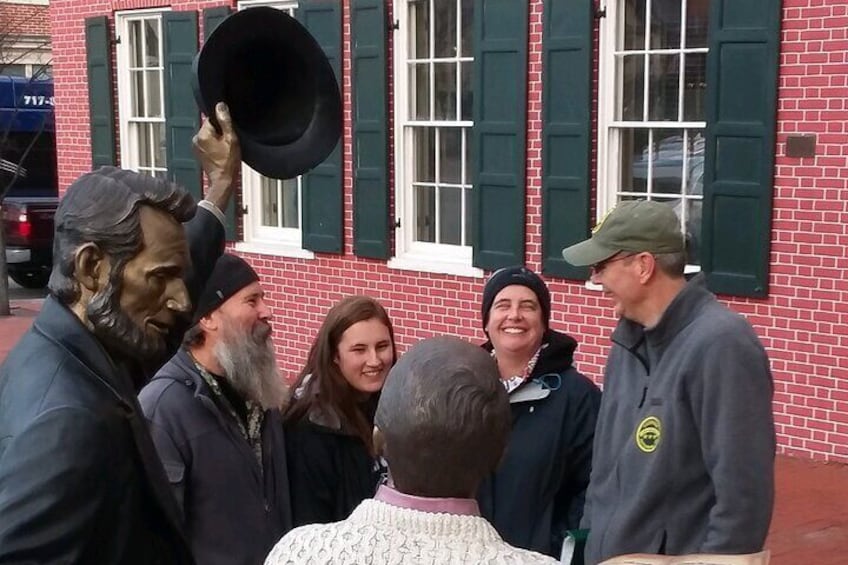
x: 98, y: 52
x: 739, y: 163
x: 211, y: 18
x: 499, y: 133
x: 370, y: 141
x: 566, y: 130
x: 322, y: 187
x: 179, y: 45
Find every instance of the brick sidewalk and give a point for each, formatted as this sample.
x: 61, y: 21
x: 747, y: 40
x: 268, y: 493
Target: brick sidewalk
x: 810, y: 522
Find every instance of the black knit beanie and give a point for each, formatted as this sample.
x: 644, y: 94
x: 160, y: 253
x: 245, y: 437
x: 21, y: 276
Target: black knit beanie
x: 230, y: 275
x: 523, y: 276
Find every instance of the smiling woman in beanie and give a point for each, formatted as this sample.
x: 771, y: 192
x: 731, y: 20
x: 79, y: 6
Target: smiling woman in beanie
x: 537, y: 494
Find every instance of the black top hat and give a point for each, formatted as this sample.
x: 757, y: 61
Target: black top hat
x: 280, y: 88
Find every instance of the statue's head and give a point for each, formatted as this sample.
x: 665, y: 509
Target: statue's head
x: 120, y: 256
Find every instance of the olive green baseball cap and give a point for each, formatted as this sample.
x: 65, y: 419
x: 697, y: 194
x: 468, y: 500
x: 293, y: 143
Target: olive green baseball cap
x: 633, y: 225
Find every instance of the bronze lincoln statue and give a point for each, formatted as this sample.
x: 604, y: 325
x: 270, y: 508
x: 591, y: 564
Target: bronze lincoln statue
x: 80, y: 478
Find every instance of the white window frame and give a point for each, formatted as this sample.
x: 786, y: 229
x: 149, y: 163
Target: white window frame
x: 608, y: 98
x: 410, y: 254
x: 259, y: 238
x: 128, y: 147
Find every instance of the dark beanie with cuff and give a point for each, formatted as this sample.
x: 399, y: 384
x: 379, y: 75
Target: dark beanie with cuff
x: 230, y: 275
x: 509, y: 276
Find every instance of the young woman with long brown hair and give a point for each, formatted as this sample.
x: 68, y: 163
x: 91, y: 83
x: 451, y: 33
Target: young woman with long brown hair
x: 333, y: 465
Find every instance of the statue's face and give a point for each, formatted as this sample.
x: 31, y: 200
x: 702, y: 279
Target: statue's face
x: 153, y: 292
x: 137, y: 317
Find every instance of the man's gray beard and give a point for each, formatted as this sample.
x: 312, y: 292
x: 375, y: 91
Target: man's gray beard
x: 117, y: 331
x: 250, y: 365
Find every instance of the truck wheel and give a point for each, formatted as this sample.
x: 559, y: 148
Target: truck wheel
x: 30, y: 279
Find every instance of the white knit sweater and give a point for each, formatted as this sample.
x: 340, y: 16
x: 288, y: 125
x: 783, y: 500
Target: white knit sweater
x: 381, y: 534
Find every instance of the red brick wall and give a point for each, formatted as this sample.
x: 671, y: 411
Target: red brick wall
x: 803, y: 323
x: 24, y: 19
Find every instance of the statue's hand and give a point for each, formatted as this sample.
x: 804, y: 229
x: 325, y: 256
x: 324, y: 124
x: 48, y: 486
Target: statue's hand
x: 219, y: 155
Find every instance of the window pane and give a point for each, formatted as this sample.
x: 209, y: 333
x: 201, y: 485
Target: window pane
x: 467, y: 94
x: 151, y: 36
x: 665, y: 24
x: 697, y: 12
x: 634, y: 160
x: 634, y: 24
x: 465, y: 132
x: 668, y: 161
x: 154, y: 101
x: 695, y: 87
x: 270, y: 201
x: 136, y: 45
x: 425, y: 213
x: 444, y: 17
x: 694, y: 210
x: 632, y: 73
x: 419, y: 39
x: 158, y: 140
x: 12, y: 70
x: 450, y: 215
x: 466, y: 194
x: 145, y: 157
x: 664, y: 86
x: 291, y: 215
x: 445, y: 91
x: 424, y: 154
x: 695, y: 150
x: 137, y: 81
x: 42, y: 72
x: 419, y: 88
x: 465, y: 30
x: 450, y: 155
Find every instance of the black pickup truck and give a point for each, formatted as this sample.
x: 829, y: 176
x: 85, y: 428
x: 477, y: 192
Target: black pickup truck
x: 28, y: 177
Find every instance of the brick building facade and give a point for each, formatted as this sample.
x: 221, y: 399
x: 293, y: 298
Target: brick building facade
x: 24, y: 37
x: 597, y: 122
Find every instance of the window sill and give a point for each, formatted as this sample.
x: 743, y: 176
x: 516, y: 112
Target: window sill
x: 276, y: 249
x: 422, y: 264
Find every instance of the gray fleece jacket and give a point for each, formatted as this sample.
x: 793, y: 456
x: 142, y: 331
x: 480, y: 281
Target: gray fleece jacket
x: 684, y: 449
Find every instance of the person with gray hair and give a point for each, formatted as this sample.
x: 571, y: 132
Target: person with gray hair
x: 683, y: 460
x: 443, y: 422
x: 214, y: 414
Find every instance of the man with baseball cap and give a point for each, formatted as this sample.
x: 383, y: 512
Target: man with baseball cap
x: 214, y: 414
x: 683, y: 459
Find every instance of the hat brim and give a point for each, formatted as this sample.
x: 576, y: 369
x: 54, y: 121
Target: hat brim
x: 587, y: 253
x: 252, y: 57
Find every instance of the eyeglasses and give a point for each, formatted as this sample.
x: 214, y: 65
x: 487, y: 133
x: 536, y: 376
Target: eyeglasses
x: 599, y: 267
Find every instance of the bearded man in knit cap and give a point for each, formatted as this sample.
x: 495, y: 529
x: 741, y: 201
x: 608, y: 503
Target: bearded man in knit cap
x: 214, y: 414
x: 443, y: 421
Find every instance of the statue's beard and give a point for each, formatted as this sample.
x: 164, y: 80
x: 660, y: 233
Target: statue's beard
x: 118, y: 332
x: 250, y: 365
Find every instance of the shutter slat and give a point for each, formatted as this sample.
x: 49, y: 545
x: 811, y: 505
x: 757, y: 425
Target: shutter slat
x: 98, y: 52
x: 567, y: 36
x: 179, y: 45
x: 742, y: 66
x: 370, y: 139
x: 323, y: 204
x: 498, y: 163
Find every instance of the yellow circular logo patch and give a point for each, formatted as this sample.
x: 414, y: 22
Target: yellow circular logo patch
x: 648, y: 434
